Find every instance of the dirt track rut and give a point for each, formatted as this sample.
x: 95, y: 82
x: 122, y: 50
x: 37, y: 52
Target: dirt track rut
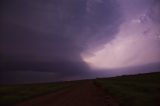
x: 82, y: 94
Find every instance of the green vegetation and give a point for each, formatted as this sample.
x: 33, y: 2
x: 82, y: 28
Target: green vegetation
x: 133, y: 90
x: 12, y: 94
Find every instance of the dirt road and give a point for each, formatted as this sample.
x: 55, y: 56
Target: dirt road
x: 82, y: 94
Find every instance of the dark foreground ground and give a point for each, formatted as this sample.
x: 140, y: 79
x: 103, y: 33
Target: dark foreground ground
x: 83, y: 94
x: 133, y: 90
x: 129, y: 90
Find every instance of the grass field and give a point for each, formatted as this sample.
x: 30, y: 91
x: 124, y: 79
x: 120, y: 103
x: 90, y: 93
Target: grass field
x: 134, y: 90
x: 12, y: 94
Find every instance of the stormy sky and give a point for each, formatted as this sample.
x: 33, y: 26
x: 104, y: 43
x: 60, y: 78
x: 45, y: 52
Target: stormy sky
x: 54, y: 40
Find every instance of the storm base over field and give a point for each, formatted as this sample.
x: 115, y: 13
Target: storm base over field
x: 57, y: 40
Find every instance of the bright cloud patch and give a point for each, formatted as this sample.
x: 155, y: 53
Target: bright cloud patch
x: 135, y: 44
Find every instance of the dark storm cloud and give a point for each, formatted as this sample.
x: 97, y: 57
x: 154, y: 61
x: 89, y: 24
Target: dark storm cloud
x: 154, y: 12
x: 50, y: 35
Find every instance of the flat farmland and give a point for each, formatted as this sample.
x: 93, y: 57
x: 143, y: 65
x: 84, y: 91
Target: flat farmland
x: 133, y: 90
x: 12, y: 94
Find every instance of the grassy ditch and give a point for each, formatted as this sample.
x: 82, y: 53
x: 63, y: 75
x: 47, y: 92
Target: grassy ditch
x: 133, y: 90
x: 12, y: 94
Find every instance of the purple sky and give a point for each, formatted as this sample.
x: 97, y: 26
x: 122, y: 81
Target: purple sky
x: 136, y: 43
x: 52, y: 40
